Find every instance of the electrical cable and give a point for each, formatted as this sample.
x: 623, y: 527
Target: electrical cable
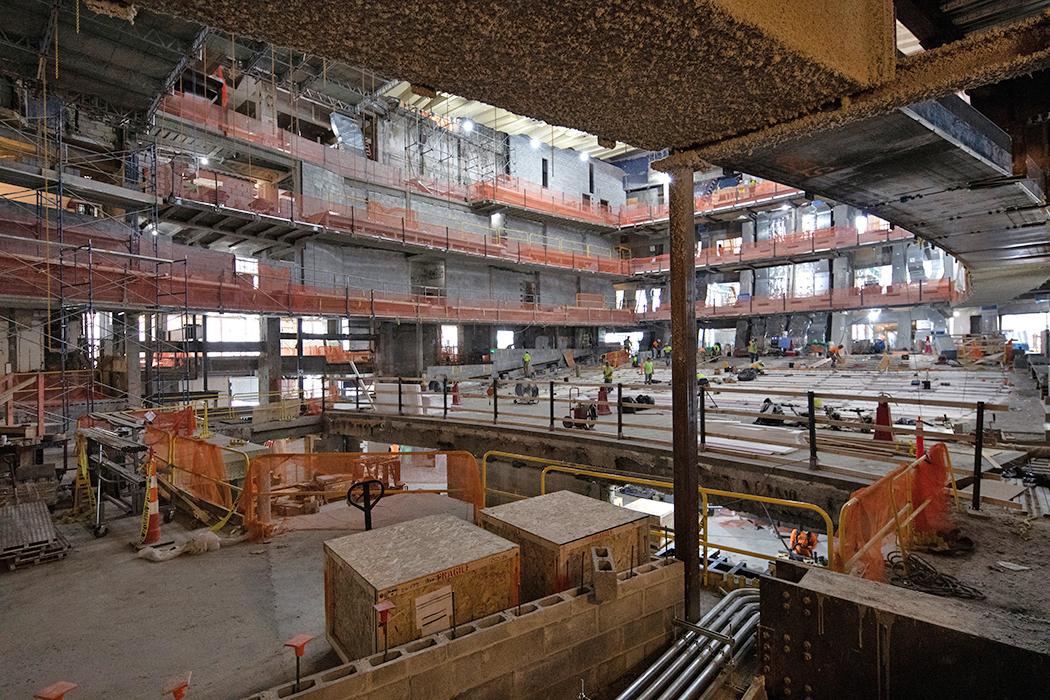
x: 912, y: 571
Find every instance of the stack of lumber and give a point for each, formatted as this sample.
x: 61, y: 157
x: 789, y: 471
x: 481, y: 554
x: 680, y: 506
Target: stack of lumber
x: 28, y: 536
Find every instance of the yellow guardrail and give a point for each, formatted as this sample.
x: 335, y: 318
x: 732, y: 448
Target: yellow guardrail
x: 549, y: 466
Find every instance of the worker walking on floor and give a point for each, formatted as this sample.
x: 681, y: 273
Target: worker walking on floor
x: 647, y: 369
x: 607, y: 372
x: 667, y: 356
x: 835, y: 351
x: 752, y: 350
x: 526, y: 360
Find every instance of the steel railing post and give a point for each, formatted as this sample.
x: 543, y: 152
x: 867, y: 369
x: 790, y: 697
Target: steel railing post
x: 702, y: 408
x: 811, y: 402
x: 444, y: 396
x: 495, y: 400
x: 978, y: 448
x: 399, y: 401
x: 619, y: 411
x: 551, y: 396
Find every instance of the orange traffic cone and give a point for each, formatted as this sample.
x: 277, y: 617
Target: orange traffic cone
x: 151, y: 508
x: 456, y: 401
x: 603, y: 401
x: 883, y: 419
x: 920, y: 443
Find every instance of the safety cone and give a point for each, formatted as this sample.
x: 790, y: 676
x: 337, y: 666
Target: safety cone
x: 920, y: 443
x: 603, y: 401
x: 456, y: 401
x: 883, y: 419
x: 151, y: 509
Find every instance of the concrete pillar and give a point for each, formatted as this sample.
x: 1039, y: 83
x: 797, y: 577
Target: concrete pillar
x: 129, y: 337
x: 683, y: 386
x: 270, y: 359
x: 900, y: 264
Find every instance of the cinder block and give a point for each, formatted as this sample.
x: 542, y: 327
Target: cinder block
x: 662, y: 595
x: 620, y: 611
x: 498, y: 689
x: 485, y: 632
x: 644, y: 628
x: 539, y: 613
x: 551, y: 669
x: 400, y: 689
x: 570, y: 687
x: 571, y: 630
x: 610, y: 670
x: 633, y: 657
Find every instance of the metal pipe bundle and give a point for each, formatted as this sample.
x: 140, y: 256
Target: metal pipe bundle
x: 694, y: 660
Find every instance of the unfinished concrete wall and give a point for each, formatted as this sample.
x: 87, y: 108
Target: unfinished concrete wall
x: 566, y: 172
x: 542, y: 649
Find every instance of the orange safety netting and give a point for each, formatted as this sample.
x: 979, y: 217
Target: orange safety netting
x: 194, y: 466
x: 884, y: 507
x: 299, y: 485
x: 182, y: 421
x: 617, y: 357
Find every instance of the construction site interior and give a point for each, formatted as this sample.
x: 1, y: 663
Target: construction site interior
x: 462, y: 350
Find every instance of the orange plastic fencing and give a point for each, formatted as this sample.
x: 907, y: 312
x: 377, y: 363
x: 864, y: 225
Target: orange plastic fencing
x: 912, y: 497
x: 617, y: 357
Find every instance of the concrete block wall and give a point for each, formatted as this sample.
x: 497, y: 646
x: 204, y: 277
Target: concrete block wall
x: 541, y: 649
x: 566, y: 172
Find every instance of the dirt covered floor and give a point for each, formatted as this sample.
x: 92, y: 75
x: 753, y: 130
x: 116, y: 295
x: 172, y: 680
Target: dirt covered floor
x: 1016, y: 602
x: 121, y: 627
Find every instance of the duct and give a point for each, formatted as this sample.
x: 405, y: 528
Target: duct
x: 709, y: 658
x: 744, y: 641
x: 668, y: 664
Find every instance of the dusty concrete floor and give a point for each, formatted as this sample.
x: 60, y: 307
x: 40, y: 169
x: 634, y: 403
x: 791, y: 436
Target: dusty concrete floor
x: 121, y: 627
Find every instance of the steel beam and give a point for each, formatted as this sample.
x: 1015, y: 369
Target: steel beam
x: 982, y: 58
x: 683, y: 386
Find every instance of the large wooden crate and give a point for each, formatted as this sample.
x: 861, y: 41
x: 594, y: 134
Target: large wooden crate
x: 424, y: 567
x: 556, y: 533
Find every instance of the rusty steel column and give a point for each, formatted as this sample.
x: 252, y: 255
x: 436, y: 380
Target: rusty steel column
x: 683, y: 385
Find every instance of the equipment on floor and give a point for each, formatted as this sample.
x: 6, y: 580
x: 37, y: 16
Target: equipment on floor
x: 770, y: 409
x: 583, y: 414
x: 747, y: 374
x: 526, y: 392
x: 360, y: 496
x: 637, y: 403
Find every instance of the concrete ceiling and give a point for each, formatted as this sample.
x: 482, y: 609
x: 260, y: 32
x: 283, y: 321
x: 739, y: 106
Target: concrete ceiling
x: 939, y: 169
x: 98, y: 61
x: 654, y: 75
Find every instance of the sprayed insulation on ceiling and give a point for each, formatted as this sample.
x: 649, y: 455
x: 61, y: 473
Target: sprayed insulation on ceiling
x: 651, y: 74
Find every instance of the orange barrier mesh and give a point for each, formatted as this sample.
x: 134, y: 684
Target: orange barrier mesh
x: 300, y: 484
x: 885, y: 508
x: 193, y: 465
x: 617, y: 357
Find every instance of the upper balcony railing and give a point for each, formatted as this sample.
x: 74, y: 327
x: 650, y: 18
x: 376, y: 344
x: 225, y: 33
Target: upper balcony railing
x: 909, y: 294
x: 785, y: 246
x: 506, y: 189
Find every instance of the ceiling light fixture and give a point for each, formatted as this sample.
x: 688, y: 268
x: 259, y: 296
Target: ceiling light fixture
x: 467, y: 125
x: 585, y: 156
x: 535, y: 143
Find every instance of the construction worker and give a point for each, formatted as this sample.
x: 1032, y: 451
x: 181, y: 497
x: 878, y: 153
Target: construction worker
x: 627, y: 345
x: 701, y: 379
x: 607, y: 372
x: 835, y: 352
x: 803, y: 543
x: 647, y: 368
x: 526, y: 360
x: 717, y: 349
x: 667, y: 356
x: 752, y: 350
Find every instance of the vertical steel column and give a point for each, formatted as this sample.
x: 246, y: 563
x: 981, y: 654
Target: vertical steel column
x: 444, y: 397
x: 703, y: 417
x: 978, y: 448
x: 683, y: 386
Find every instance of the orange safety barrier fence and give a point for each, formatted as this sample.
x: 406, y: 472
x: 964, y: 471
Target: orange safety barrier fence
x: 911, y: 497
x: 617, y: 358
x: 282, y: 487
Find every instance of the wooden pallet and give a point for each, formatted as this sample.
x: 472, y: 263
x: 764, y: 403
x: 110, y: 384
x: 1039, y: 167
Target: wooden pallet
x: 28, y: 536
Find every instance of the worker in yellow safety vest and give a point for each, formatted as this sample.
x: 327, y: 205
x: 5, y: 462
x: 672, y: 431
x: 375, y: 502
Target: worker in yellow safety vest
x: 607, y: 372
x: 752, y: 350
x: 667, y: 356
x: 647, y: 369
x: 526, y: 360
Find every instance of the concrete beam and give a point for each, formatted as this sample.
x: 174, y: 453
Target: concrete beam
x: 980, y: 59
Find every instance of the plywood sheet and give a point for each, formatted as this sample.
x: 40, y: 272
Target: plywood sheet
x: 563, y: 516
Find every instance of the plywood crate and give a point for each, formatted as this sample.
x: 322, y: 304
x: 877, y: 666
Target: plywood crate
x: 423, y: 567
x: 556, y: 533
